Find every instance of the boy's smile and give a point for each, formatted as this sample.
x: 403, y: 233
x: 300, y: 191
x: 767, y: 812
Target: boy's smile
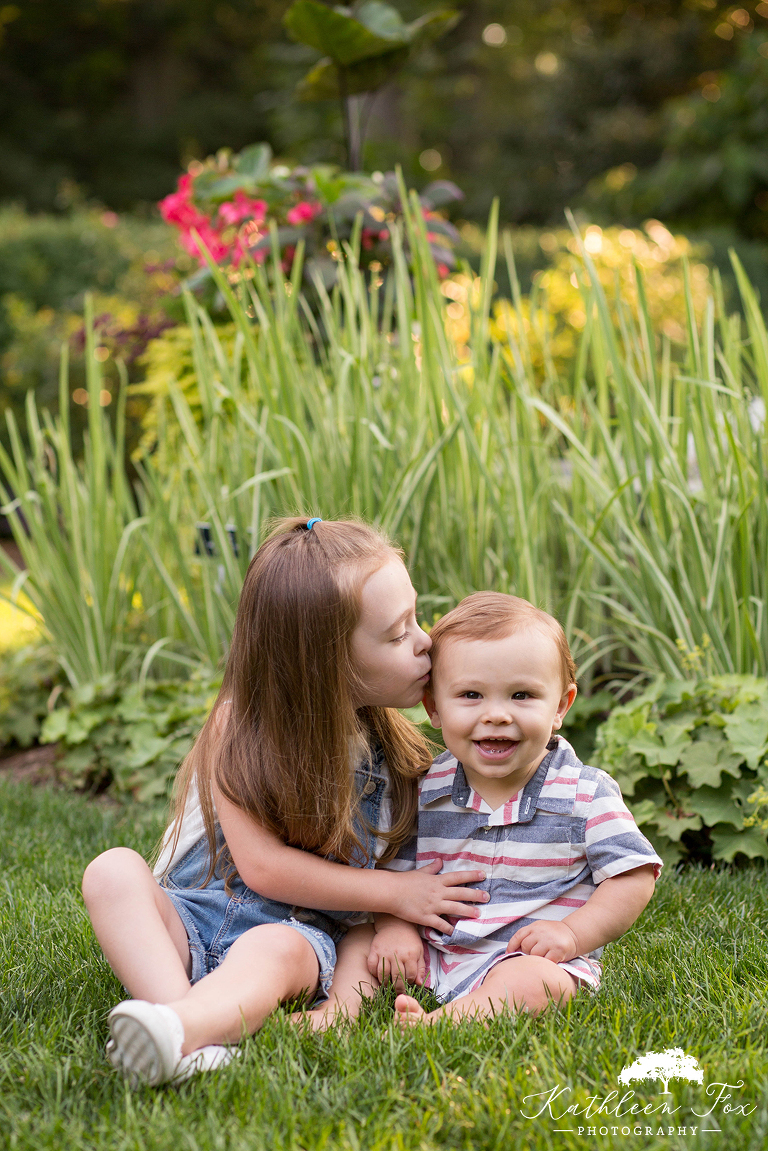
x: 498, y: 702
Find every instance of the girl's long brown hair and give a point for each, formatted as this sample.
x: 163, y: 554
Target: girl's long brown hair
x: 283, y: 747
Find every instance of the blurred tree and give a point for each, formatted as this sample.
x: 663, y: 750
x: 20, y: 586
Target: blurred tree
x: 528, y: 99
x: 112, y: 94
x: 714, y: 167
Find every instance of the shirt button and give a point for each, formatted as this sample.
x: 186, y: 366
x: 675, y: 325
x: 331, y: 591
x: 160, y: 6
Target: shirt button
x: 369, y: 788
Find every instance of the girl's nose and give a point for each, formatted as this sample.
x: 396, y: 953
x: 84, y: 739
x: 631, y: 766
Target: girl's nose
x: 423, y: 641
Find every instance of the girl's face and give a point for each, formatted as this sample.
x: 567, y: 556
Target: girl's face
x: 389, y: 648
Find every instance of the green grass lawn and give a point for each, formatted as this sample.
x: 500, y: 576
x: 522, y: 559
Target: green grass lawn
x: 693, y: 973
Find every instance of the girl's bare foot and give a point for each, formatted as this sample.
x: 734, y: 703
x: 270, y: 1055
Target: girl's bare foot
x: 408, y: 1011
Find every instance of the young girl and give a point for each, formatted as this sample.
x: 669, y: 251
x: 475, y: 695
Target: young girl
x: 302, y: 775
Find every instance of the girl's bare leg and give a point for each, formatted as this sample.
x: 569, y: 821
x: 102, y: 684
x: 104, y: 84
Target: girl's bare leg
x: 521, y: 983
x: 352, y: 981
x: 263, y: 968
x: 138, y: 927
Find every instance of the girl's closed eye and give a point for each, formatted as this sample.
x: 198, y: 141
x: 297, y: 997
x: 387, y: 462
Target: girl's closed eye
x: 400, y: 638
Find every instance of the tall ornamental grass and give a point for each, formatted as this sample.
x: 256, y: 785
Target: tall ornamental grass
x: 629, y: 497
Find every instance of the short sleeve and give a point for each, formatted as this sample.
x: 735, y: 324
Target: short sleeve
x: 614, y: 843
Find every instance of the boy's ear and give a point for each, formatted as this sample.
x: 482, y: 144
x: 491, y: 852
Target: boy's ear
x: 564, y: 706
x: 429, y: 706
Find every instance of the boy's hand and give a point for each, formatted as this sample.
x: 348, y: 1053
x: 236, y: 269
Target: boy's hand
x: 423, y: 896
x: 397, y: 952
x: 551, y: 939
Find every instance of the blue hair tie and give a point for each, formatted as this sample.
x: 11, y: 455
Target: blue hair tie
x: 311, y: 523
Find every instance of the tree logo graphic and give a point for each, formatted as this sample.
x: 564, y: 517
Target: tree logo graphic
x: 664, y: 1065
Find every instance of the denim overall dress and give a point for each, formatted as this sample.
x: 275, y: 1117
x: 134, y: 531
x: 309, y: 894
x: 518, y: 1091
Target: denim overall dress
x: 214, y: 919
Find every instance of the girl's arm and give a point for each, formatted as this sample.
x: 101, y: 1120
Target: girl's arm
x: 614, y: 906
x: 289, y: 875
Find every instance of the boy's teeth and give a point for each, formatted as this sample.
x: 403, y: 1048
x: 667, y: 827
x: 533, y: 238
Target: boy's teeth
x: 496, y: 746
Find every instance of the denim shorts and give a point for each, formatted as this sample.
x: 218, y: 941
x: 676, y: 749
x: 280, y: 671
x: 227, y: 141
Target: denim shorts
x: 214, y: 919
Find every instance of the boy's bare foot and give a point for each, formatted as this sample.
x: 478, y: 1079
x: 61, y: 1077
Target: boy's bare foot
x: 409, y: 1012
x: 320, y: 1018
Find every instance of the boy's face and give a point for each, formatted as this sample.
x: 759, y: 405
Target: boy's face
x: 498, y: 702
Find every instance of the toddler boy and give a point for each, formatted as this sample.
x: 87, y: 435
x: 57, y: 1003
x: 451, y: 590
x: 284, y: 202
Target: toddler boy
x: 567, y: 870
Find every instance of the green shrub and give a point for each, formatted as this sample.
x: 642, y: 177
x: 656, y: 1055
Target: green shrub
x: 688, y: 755
x: 47, y: 264
x: 128, y: 740
x: 28, y: 675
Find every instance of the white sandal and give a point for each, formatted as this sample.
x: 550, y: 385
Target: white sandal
x: 146, y: 1045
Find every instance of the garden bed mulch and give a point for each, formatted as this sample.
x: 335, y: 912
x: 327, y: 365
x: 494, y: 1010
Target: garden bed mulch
x: 35, y: 765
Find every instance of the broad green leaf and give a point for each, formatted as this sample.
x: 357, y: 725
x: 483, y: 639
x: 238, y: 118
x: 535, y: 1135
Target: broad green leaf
x: 210, y: 186
x: 381, y: 19
x: 707, y: 757
x: 727, y: 844
x: 341, y: 37
x: 322, y: 82
x: 716, y: 805
x: 655, y: 751
x: 254, y: 161
x: 747, y: 731
x: 55, y: 725
x: 645, y: 812
x: 673, y: 825
x: 631, y: 771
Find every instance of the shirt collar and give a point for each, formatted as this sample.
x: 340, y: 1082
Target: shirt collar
x: 446, y: 778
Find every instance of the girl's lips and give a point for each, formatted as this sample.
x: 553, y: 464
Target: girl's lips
x: 495, y: 748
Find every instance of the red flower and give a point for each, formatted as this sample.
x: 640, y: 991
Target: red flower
x: 303, y: 212
x: 242, y: 208
x: 178, y: 209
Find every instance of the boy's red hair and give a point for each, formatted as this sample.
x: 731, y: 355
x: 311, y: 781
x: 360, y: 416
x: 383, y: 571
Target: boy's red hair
x: 493, y: 615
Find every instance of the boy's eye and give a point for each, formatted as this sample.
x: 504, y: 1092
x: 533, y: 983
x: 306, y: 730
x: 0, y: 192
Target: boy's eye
x: 470, y: 695
x: 521, y: 695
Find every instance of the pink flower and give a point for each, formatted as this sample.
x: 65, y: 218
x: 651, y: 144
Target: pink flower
x: 177, y: 208
x: 242, y: 208
x: 209, y: 237
x: 443, y: 270
x: 303, y: 212
x: 384, y: 234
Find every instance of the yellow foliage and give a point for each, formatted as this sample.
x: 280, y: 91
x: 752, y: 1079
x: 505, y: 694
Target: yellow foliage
x: 554, y: 314
x: 168, y: 362
x: 17, y: 627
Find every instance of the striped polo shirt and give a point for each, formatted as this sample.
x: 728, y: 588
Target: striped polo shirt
x: 543, y: 852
